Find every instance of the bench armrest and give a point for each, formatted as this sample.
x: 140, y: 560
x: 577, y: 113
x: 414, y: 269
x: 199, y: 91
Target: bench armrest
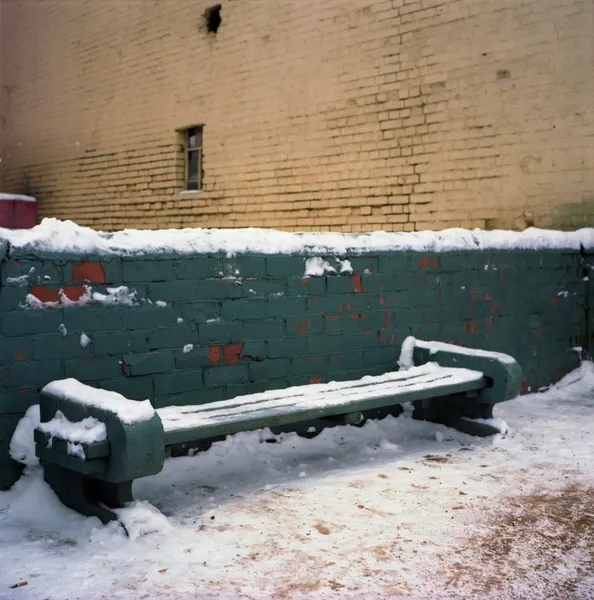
x: 503, y: 373
x: 133, y: 444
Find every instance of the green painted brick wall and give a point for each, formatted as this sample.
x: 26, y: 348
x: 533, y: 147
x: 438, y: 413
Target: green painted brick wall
x: 207, y: 327
x: 588, y: 271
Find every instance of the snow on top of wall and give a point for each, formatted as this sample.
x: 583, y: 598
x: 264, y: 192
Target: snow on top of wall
x: 19, y: 197
x: 56, y: 236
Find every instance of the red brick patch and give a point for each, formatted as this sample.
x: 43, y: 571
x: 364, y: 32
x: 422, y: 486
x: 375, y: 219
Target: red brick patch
x: 74, y: 292
x: 304, y: 327
x: 45, y: 294
x: 232, y: 353
x: 90, y: 271
x: 425, y: 262
x: 52, y: 295
x: 214, y: 355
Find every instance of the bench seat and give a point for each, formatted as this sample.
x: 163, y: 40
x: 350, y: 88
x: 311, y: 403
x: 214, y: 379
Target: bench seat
x: 183, y: 424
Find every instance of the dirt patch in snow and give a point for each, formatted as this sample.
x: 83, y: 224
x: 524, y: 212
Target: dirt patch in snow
x: 437, y: 458
x: 539, y: 541
x: 323, y: 528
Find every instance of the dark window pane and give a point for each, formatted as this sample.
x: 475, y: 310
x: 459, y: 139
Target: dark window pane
x: 194, y: 137
x: 193, y: 165
x: 192, y: 185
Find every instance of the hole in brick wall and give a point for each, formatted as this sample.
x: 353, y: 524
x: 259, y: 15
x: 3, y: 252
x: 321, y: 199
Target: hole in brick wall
x: 212, y: 16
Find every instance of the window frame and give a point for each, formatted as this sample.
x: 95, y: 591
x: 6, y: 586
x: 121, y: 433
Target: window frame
x: 199, y: 150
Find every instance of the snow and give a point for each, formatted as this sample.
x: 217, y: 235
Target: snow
x: 53, y: 235
x: 86, y: 431
x: 120, y: 295
x: 141, y: 519
x: 345, y: 266
x: 34, y: 302
x: 65, y: 300
x: 317, y: 266
x: 499, y: 424
x: 128, y: 411
x: 434, y: 347
x: 21, y: 280
x: 395, y: 509
x: 62, y: 329
x: 407, y: 349
x: 85, y: 340
x: 16, y: 197
x: 75, y: 449
x: 22, y: 446
x: 317, y: 397
x: 188, y: 348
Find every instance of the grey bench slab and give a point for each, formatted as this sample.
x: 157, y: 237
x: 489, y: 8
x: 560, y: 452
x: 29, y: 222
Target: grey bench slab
x: 183, y: 424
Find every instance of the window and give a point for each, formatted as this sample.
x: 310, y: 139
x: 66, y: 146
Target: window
x: 194, y: 172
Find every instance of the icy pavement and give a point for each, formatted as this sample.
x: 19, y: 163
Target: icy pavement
x: 397, y: 509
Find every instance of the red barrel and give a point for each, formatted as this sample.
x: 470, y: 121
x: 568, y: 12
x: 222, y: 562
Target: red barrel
x: 18, y: 212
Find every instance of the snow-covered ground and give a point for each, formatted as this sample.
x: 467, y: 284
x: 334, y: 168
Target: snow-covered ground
x: 396, y: 509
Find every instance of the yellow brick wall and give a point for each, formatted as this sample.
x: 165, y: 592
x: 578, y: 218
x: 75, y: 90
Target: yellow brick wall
x: 351, y: 115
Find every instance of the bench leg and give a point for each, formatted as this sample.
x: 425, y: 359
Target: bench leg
x: 456, y: 412
x: 87, y: 496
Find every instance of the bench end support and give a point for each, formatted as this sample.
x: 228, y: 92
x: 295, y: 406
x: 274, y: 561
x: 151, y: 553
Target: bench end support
x: 88, y: 496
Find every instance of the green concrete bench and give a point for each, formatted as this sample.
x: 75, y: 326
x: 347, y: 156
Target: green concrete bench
x: 94, y: 443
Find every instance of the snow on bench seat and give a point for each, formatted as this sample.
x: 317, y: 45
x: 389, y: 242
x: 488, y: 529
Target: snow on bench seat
x: 281, y: 407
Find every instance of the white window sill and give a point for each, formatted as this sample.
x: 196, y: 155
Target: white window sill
x: 186, y: 192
